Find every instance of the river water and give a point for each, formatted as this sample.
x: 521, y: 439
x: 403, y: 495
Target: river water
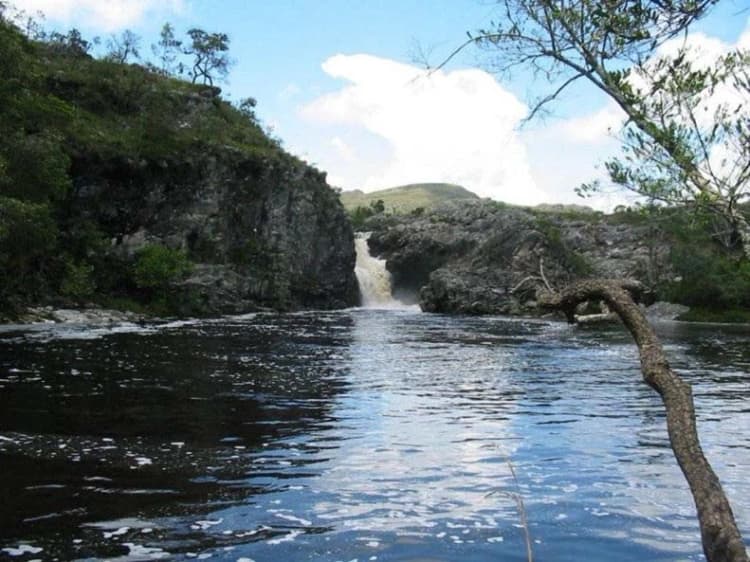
x: 367, y: 435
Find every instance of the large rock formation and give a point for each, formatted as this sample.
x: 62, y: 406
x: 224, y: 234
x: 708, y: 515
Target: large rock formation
x: 483, y: 257
x: 122, y: 186
x: 262, y: 230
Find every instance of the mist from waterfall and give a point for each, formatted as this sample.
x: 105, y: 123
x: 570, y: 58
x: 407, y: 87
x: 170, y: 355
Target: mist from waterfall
x: 373, y: 278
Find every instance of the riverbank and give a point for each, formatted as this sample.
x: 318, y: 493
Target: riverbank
x: 95, y: 316
x: 88, y: 315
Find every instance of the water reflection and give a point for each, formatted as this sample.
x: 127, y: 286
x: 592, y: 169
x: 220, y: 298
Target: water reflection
x: 368, y: 435
x: 429, y: 475
x: 166, y: 422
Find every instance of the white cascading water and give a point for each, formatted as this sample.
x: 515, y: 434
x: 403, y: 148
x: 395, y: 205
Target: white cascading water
x: 374, y: 279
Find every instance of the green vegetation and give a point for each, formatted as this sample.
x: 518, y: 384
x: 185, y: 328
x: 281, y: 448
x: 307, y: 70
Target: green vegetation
x: 730, y: 316
x: 572, y: 261
x: 157, y: 272
x: 713, y: 280
x: 64, y: 114
x: 360, y: 214
x: 78, y: 282
x: 158, y: 267
x: 406, y: 198
x: 708, y: 276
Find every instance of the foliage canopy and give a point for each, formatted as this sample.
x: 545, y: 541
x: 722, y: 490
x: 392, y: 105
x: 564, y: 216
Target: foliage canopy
x: 682, y: 144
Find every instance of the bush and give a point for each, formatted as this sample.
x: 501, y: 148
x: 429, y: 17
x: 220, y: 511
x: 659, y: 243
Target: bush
x: 28, y: 237
x: 78, y: 282
x: 359, y: 215
x: 572, y: 261
x: 35, y: 167
x: 709, y: 279
x: 157, y: 267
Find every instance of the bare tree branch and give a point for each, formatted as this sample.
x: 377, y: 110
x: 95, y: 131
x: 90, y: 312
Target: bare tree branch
x: 721, y: 538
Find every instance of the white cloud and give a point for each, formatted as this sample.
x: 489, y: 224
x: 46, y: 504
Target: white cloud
x: 744, y: 41
x: 343, y: 149
x: 106, y: 15
x: 594, y: 128
x: 457, y: 127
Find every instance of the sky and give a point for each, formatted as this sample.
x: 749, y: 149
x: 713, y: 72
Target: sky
x: 343, y: 84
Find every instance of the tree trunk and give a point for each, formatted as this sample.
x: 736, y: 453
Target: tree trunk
x: 722, y: 541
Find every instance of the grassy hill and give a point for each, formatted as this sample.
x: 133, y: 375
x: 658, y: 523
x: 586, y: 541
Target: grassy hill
x: 406, y: 198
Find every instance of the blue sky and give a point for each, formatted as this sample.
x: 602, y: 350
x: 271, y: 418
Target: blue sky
x: 338, y: 83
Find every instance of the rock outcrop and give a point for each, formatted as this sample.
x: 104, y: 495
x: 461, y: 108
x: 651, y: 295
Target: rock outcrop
x: 262, y: 230
x: 125, y: 187
x: 483, y: 257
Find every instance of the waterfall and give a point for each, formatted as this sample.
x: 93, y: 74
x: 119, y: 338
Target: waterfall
x: 373, y: 278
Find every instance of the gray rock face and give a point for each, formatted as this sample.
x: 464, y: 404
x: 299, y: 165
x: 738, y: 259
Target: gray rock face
x: 264, y: 231
x: 482, y: 257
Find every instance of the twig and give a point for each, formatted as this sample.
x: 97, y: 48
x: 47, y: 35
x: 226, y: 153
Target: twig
x: 520, y: 507
x: 522, y: 513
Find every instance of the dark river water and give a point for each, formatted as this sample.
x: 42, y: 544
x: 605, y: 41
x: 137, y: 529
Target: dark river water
x: 358, y: 436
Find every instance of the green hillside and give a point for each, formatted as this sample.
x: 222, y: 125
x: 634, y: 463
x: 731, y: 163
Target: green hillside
x: 121, y: 185
x: 406, y: 198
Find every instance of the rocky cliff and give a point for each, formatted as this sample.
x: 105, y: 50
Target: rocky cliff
x: 123, y: 186
x: 260, y: 230
x: 483, y: 257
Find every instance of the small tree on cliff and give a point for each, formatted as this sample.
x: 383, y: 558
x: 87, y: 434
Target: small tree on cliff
x: 121, y: 48
x: 679, y: 147
x: 210, y: 55
x: 167, y: 51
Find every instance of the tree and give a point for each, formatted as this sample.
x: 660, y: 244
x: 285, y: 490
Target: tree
x: 121, y: 48
x: 377, y: 206
x: 168, y: 50
x: 71, y: 43
x: 674, y: 153
x: 246, y: 107
x: 210, y: 58
x: 701, y: 155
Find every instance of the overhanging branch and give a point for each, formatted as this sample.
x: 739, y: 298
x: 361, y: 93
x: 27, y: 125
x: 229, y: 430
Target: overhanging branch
x: 721, y: 538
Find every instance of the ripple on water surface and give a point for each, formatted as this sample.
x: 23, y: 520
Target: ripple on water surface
x: 367, y: 435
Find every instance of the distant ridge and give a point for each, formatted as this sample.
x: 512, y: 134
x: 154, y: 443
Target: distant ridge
x: 406, y: 198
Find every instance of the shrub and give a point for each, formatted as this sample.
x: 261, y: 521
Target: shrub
x: 707, y: 278
x: 28, y: 237
x: 157, y: 267
x: 78, y: 282
x: 572, y: 261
